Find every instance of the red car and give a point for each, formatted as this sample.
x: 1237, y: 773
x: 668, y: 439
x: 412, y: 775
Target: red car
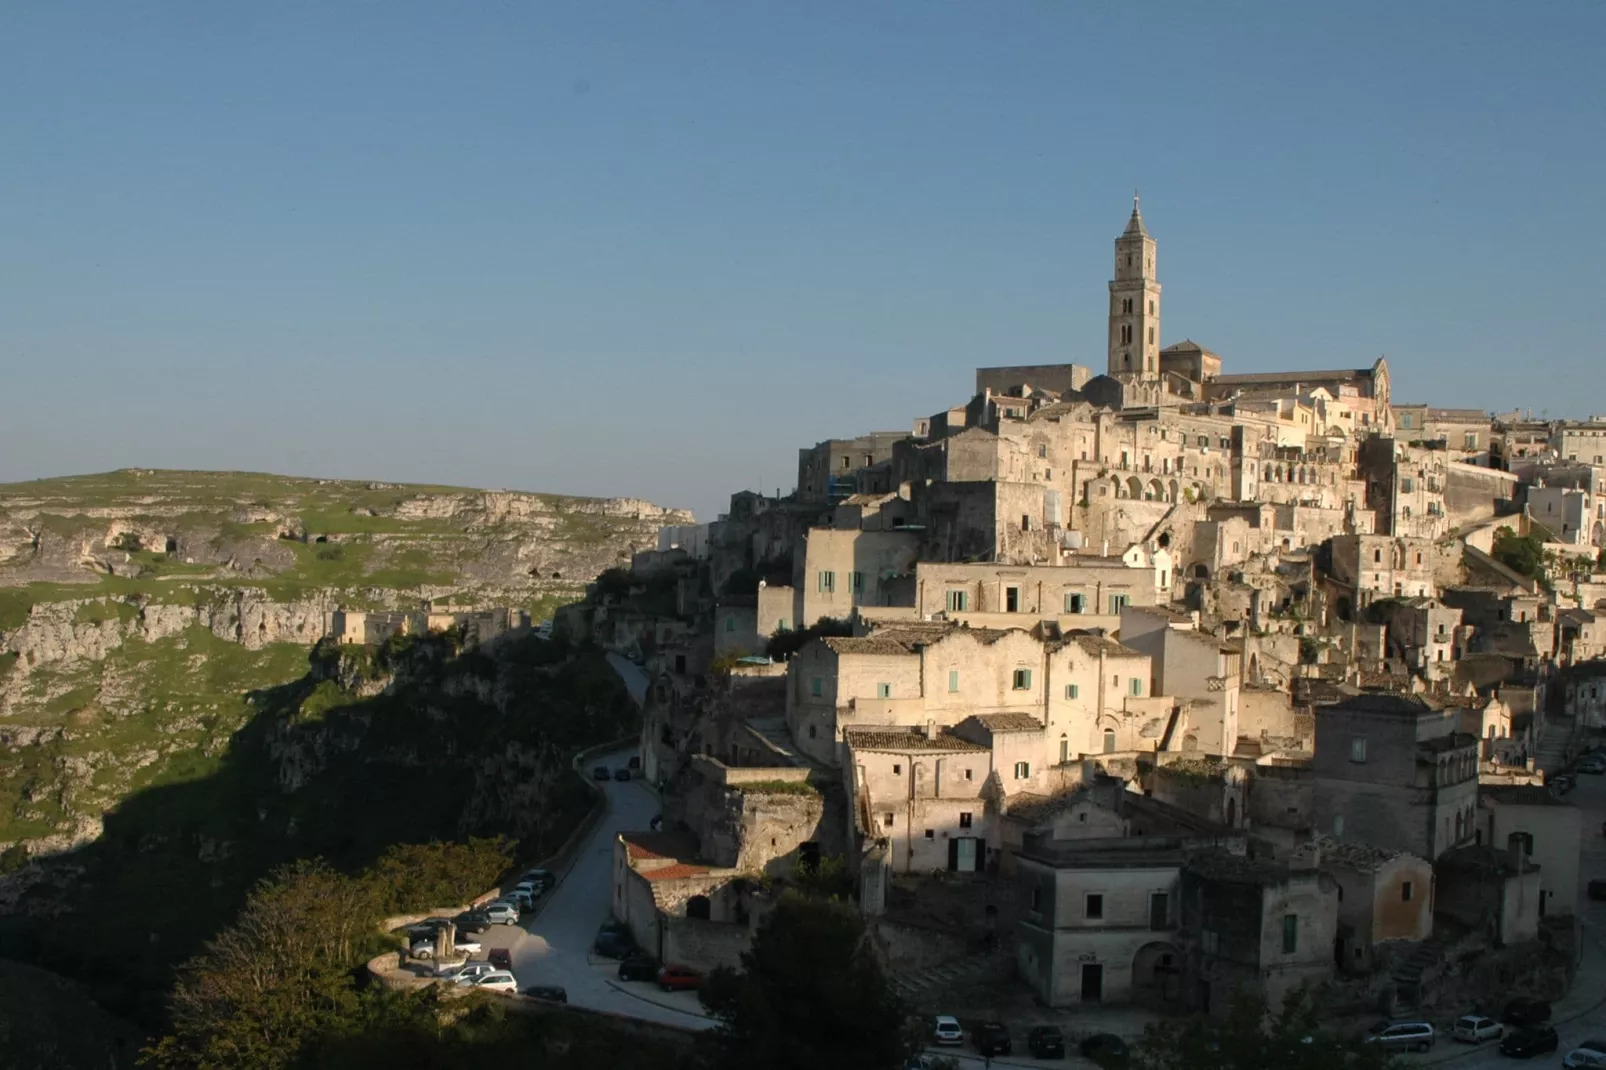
x: 500, y: 958
x: 679, y: 979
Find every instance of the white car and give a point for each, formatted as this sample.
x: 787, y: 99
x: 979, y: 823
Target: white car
x: 1584, y: 1057
x: 1475, y: 1029
x: 498, y: 981
x: 467, y: 975
x: 502, y: 913
x: 945, y: 1029
x: 521, y: 898
x: 425, y: 949
x: 529, y: 888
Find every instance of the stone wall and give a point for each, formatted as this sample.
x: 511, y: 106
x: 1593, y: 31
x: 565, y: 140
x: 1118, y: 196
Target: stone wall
x: 703, y: 945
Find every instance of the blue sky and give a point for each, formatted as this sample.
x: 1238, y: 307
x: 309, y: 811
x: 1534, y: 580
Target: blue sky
x: 651, y: 248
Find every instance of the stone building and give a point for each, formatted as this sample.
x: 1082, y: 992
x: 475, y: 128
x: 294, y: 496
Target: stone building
x: 1252, y: 925
x: 1393, y: 771
x: 1547, y: 829
x: 1383, y: 895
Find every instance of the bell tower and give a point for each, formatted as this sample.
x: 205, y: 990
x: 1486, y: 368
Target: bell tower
x: 1135, y: 304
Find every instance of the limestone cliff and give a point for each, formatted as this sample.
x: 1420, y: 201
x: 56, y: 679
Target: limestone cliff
x: 139, y: 610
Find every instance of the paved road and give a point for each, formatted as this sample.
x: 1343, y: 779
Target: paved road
x: 634, y: 676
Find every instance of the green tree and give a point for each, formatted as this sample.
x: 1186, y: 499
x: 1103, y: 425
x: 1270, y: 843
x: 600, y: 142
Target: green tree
x: 783, y: 645
x: 1249, y: 1038
x: 1520, y: 553
x: 278, y: 976
x: 809, y: 994
x: 414, y: 876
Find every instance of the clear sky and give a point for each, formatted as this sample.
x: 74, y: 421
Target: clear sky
x: 651, y: 248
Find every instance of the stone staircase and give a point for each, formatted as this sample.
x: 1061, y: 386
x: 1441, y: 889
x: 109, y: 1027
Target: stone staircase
x: 1407, y: 975
x: 1551, y: 753
x: 996, y: 964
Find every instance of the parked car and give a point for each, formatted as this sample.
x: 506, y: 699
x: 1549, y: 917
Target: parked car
x: 529, y: 888
x: 679, y: 979
x: 1529, y: 1041
x: 1523, y: 1011
x: 524, y: 900
x: 501, y: 958
x: 473, y: 921
x: 543, y: 879
x: 634, y: 762
x: 1402, y: 1036
x: 1597, y: 889
x: 1046, y: 1042
x: 468, y: 974
x: 611, y: 944
x: 621, y: 774
x: 945, y: 1030
x: 498, y: 981
x: 500, y: 913
x: 548, y: 993
x: 1106, y: 1049
x: 639, y: 968
x: 601, y: 772
x: 992, y: 1038
x: 1594, y: 765
x: 1475, y: 1029
x: 1585, y: 1055
x: 425, y: 949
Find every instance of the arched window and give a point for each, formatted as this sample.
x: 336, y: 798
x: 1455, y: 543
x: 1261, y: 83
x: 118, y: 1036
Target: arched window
x: 1109, y: 741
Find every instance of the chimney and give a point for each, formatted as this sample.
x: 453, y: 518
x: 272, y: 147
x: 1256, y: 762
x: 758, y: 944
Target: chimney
x: 931, y: 729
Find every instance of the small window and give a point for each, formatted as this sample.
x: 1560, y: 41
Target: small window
x: 1405, y: 891
x: 931, y: 834
x: 887, y: 819
x: 1095, y: 906
x: 883, y: 690
x: 1073, y: 603
x: 964, y: 815
x: 813, y: 732
x: 816, y: 687
x: 1023, y: 680
x: 1118, y: 602
x: 828, y: 583
x: 1023, y: 770
x: 958, y: 601
x: 1357, y: 749
x: 897, y: 769
x: 1137, y: 685
x: 968, y: 775
x: 1072, y: 691
x: 953, y: 681
x: 856, y: 582
x: 1290, y: 933
x: 730, y: 624
x: 1042, y: 450
x: 1037, y: 899
x: 1012, y: 599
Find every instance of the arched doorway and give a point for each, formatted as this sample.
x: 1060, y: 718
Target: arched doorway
x: 1156, y: 967
x: 1109, y: 741
x: 698, y: 906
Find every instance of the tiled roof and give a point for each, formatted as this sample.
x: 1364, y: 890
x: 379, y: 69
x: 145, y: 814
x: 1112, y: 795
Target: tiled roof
x: 1098, y: 644
x: 1238, y: 869
x: 875, y: 645
x: 1521, y: 795
x: 678, y: 871
x: 1009, y: 722
x: 649, y: 846
x: 1357, y: 856
x: 1387, y: 702
x: 895, y: 738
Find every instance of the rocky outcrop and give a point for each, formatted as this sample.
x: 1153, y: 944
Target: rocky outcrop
x: 58, y: 631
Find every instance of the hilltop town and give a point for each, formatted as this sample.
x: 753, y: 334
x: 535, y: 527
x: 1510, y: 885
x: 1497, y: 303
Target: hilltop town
x: 1132, y: 687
